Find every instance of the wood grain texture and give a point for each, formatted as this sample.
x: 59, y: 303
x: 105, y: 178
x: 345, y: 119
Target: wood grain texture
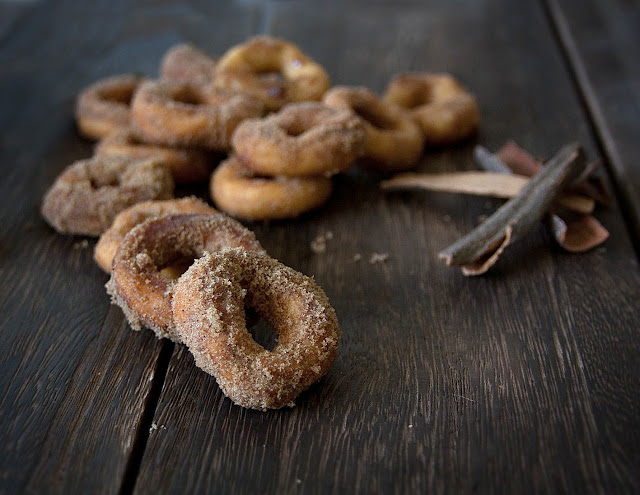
x: 521, y: 381
x: 602, y: 40
x: 74, y: 380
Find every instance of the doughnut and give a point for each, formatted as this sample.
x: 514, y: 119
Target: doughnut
x: 446, y: 112
x: 104, y: 106
x: 208, y: 309
x: 234, y: 190
x: 137, y: 282
x: 87, y: 195
x: 272, y: 70
x: 177, y: 114
x: 184, y: 63
x: 394, y: 141
x: 187, y: 165
x: 127, y: 219
x: 307, y: 138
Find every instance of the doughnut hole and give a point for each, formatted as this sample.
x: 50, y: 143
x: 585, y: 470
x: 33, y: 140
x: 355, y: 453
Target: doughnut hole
x: 394, y: 140
x: 446, y: 112
x: 155, y: 253
x: 374, y: 116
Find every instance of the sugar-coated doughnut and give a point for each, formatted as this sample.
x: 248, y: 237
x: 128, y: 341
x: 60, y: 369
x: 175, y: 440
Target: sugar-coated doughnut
x: 109, y: 241
x: 234, y: 190
x: 187, y: 165
x: 104, y: 106
x: 307, y: 138
x: 208, y: 309
x: 273, y: 70
x: 177, y: 114
x: 184, y: 63
x: 394, y: 141
x: 87, y: 195
x: 445, y: 110
x: 138, y: 284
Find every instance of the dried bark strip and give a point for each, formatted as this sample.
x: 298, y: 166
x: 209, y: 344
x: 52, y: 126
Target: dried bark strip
x: 494, y: 184
x: 480, y: 249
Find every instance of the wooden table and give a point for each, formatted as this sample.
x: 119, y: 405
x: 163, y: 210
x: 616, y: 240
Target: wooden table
x: 523, y: 380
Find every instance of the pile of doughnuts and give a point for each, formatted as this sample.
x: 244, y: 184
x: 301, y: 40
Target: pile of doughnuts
x: 271, y: 107
x: 186, y: 271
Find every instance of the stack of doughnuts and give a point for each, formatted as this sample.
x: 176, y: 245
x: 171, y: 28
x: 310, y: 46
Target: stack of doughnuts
x: 189, y: 276
x: 185, y: 270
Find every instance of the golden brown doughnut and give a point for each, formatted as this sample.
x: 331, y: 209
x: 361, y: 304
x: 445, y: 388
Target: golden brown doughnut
x: 87, y: 195
x: 446, y: 111
x: 234, y: 190
x: 208, y: 309
x: 187, y: 165
x: 394, y: 140
x: 109, y: 241
x: 272, y: 70
x: 184, y: 63
x: 104, y: 106
x: 137, y: 283
x: 176, y: 114
x: 307, y: 138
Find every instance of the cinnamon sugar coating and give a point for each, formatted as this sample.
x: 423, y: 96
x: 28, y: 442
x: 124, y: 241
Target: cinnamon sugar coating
x: 307, y: 139
x: 138, y: 284
x: 273, y: 70
x: 176, y: 114
x: 187, y: 165
x: 394, y: 141
x: 184, y: 63
x: 445, y: 110
x: 240, y: 194
x: 109, y: 241
x: 87, y: 195
x: 104, y: 105
x: 208, y: 308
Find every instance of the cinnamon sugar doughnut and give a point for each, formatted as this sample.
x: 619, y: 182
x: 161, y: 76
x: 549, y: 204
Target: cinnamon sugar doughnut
x: 109, y: 241
x: 272, y: 70
x: 445, y: 110
x: 307, y: 138
x: 182, y: 115
x: 104, y: 106
x: 187, y: 165
x: 137, y: 284
x: 234, y: 190
x: 87, y: 195
x: 208, y: 309
x: 394, y: 141
x: 184, y: 63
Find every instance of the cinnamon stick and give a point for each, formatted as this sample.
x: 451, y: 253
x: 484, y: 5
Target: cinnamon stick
x: 480, y: 249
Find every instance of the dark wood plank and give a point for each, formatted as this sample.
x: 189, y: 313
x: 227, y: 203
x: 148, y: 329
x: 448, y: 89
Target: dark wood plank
x: 602, y: 40
x: 11, y: 13
x: 521, y: 381
x: 74, y: 380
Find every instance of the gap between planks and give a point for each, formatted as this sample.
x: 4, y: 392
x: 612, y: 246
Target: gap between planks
x: 134, y: 463
x: 596, y: 121
x: 142, y: 435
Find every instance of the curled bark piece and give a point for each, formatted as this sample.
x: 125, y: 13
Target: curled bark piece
x: 578, y: 235
x: 496, y: 185
x: 480, y: 249
x: 520, y: 161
